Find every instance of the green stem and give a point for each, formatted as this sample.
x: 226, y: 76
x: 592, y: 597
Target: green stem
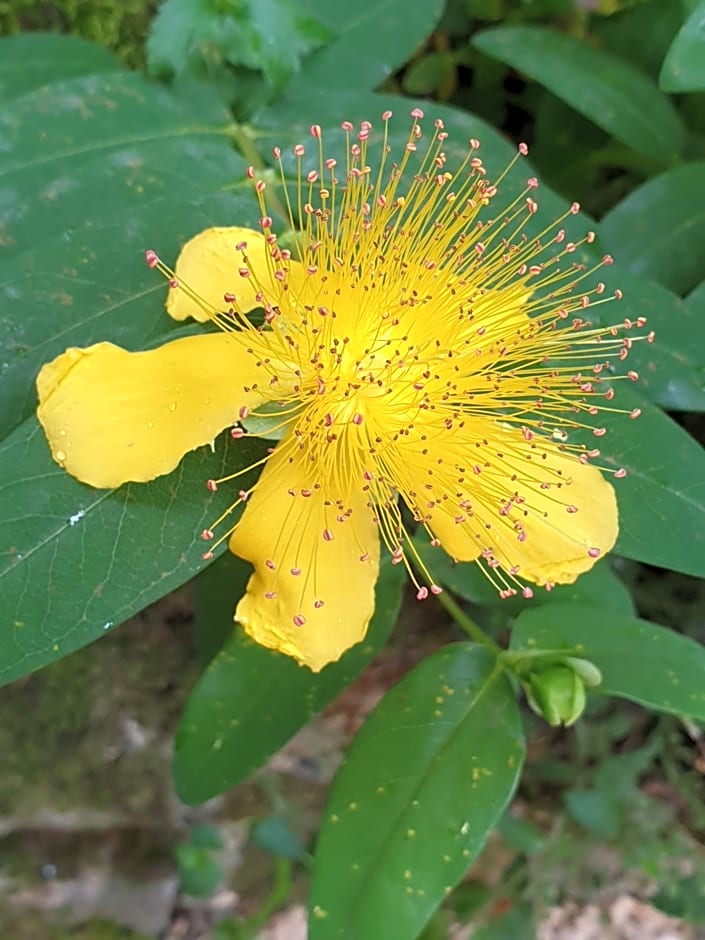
x: 245, y: 144
x: 466, y: 624
x: 241, y: 137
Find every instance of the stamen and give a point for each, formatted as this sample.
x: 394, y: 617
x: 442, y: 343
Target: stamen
x: 420, y: 345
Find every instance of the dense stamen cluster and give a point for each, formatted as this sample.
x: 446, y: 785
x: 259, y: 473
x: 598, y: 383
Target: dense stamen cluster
x: 420, y: 344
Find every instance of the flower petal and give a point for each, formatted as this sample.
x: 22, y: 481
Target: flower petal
x: 530, y: 508
x: 210, y: 264
x: 113, y: 416
x: 316, y: 561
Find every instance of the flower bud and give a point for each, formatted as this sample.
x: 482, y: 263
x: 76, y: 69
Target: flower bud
x: 557, y: 693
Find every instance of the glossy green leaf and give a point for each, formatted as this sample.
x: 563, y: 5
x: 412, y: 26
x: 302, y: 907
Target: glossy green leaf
x: 76, y: 561
x: 368, y: 47
x: 86, y: 286
x: 683, y: 68
x: 434, y: 72
x: 250, y: 700
x: 424, y: 783
x: 639, y: 660
x: 662, y: 499
x: 658, y: 231
x: 34, y: 59
x: 654, y: 22
x: 672, y: 368
x: 218, y: 588
x: 85, y: 148
x: 615, y: 96
x: 93, y: 171
x: 695, y: 301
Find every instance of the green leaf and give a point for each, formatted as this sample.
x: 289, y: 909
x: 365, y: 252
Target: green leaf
x: 276, y: 836
x: 639, y: 660
x: 654, y: 22
x: 662, y: 499
x: 672, y: 368
x: 180, y: 29
x: 432, y: 72
x: 115, y: 176
x: 269, y: 35
x: 695, y: 301
x: 251, y: 700
x: 76, y: 561
x: 96, y: 289
x: 521, y: 835
x: 218, y: 588
x: 368, y: 48
x: 35, y: 59
x: 86, y: 148
x: 658, y: 231
x: 683, y: 68
x: 282, y: 37
x: 595, y: 811
x: 424, y: 783
x: 614, y: 95
x: 684, y: 898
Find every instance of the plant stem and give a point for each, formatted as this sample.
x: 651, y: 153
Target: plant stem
x: 244, y: 142
x: 466, y: 624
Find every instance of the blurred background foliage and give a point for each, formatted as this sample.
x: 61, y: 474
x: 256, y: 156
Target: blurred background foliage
x: 613, y: 805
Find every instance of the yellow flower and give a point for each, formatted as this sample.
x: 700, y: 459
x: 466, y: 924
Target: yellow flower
x: 414, y: 347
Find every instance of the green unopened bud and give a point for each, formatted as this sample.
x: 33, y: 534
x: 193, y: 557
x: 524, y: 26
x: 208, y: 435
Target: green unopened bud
x: 587, y: 671
x: 557, y: 693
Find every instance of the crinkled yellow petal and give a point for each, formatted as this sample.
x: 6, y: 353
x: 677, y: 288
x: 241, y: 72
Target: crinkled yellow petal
x: 536, y: 511
x: 316, y: 562
x: 566, y: 528
x: 113, y: 416
x: 209, y: 264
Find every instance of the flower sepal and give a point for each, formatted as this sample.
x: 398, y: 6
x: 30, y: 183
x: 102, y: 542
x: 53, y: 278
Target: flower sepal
x: 557, y: 690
